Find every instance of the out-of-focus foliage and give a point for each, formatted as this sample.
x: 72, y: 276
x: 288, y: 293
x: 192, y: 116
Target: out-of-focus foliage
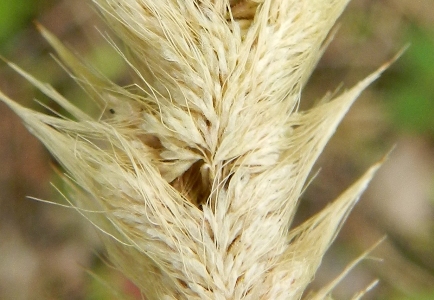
x: 14, y: 15
x: 416, y: 296
x: 411, y: 93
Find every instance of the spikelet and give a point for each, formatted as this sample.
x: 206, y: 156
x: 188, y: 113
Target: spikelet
x: 195, y: 175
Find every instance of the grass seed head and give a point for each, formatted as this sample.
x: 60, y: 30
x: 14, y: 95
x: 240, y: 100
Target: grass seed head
x: 197, y: 169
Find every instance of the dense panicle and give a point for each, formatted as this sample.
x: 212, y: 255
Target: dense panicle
x: 197, y: 172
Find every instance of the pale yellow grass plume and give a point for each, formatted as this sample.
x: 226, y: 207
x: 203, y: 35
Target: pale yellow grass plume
x: 197, y: 169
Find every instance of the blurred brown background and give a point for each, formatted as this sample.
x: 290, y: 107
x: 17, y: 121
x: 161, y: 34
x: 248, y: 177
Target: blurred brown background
x: 47, y: 252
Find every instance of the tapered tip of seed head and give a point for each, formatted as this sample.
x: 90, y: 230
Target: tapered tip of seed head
x: 388, y: 63
x: 38, y: 25
x: 42, y: 30
x: 4, y: 59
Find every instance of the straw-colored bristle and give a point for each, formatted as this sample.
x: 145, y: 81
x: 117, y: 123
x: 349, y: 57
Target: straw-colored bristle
x: 199, y: 169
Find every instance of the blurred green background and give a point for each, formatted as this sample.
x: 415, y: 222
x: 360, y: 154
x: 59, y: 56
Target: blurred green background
x: 49, y: 252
